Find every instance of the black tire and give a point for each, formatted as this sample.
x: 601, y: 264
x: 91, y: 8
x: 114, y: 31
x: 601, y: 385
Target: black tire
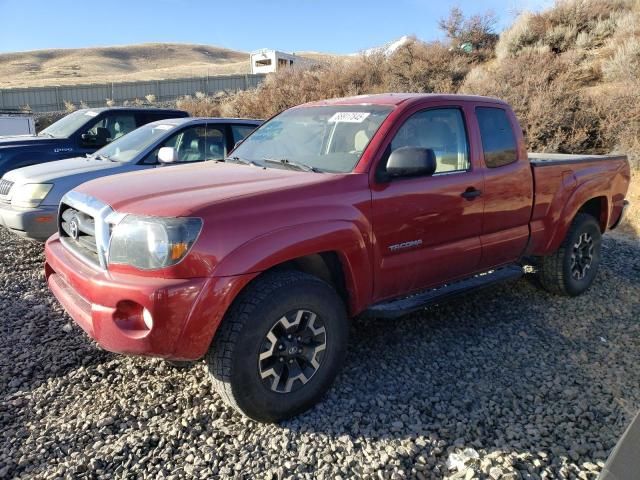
x: 561, y: 273
x: 234, y: 359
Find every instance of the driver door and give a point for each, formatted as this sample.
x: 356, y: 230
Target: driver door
x: 426, y: 231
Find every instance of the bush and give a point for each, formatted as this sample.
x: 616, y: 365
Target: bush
x: 69, y: 106
x: 202, y: 106
x: 477, y: 30
x: 571, y: 23
x: 624, y: 64
x: 555, y: 114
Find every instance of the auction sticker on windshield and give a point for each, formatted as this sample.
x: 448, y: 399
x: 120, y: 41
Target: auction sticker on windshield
x: 349, y: 117
x: 163, y: 127
x: 91, y: 113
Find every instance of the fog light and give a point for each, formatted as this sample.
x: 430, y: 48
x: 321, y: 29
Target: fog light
x: 132, y: 318
x: 148, y: 319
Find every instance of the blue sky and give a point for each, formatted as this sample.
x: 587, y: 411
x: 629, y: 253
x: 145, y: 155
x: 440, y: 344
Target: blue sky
x: 337, y: 26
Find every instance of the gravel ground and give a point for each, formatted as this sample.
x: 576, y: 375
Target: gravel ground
x: 509, y: 383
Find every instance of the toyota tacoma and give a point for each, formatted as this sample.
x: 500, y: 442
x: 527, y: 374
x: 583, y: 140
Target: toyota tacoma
x: 372, y: 206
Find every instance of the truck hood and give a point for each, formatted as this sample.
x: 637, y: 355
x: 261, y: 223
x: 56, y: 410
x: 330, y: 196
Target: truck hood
x: 26, y: 140
x: 51, y: 171
x: 187, y: 190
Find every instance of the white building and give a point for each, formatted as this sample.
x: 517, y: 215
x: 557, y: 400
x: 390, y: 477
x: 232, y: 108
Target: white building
x: 269, y: 61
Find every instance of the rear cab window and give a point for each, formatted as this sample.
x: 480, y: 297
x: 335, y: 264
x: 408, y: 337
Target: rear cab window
x: 498, y: 140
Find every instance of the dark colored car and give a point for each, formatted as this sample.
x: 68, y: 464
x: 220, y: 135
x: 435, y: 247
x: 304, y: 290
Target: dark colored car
x: 81, y: 132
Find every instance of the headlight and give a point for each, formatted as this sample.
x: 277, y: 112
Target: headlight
x: 149, y: 243
x: 30, y: 195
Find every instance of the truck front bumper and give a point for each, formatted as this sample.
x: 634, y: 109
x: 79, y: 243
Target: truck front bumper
x: 35, y: 223
x: 170, y: 318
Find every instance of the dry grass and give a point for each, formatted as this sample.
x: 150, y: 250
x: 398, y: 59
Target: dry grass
x: 152, y: 61
x: 105, y: 64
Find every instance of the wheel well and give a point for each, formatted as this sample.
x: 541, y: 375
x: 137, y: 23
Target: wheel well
x: 597, y: 208
x: 325, y: 265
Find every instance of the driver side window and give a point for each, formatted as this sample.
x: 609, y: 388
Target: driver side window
x: 443, y: 131
x: 111, y: 127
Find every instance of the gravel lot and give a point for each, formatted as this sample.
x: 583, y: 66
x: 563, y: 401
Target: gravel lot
x: 509, y: 383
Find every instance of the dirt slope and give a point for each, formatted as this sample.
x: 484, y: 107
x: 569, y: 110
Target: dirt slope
x: 150, y: 61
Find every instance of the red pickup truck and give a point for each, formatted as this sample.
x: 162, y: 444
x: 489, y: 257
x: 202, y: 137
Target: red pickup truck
x: 373, y: 205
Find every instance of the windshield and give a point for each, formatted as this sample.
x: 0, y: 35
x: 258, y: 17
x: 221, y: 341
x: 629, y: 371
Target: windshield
x: 326, y: 138
x: 69, y: 124
x: 128, y: 147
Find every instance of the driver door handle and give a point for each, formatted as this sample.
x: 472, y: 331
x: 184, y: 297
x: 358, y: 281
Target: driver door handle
x: 471, y: 193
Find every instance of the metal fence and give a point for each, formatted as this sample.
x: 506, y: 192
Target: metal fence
x: 49, y: 99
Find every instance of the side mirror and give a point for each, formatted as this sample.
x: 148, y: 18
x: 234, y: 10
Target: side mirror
x: 89, y: 140
x: 99, y: 140
x: 411, y: 162
x: 167, y: 155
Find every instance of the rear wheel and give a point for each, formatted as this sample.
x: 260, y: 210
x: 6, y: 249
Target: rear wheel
x: 573, y: 267
x: 280, y: 346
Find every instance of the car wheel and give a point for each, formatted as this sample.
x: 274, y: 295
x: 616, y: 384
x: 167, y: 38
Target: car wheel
x: 573, y: 267
x: 280, y: 345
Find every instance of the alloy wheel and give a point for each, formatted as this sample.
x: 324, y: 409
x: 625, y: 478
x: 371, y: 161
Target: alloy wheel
x: 582, y: 256
x: 292, y: 351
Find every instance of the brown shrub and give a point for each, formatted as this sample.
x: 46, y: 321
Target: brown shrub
x: 619, y: 109
x: 201, y: 106
x: 419, y: 67
x: 569, y: 24
x: 477, y: 30
x: 414, y: 67
x: 554, y: 112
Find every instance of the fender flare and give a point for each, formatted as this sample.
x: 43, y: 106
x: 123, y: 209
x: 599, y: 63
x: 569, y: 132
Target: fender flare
x: 583, y: 194
x: 278, y: 246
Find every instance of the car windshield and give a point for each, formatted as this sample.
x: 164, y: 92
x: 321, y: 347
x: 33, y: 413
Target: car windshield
x: 128, y: 147
x: 69, y: 124
x: 322, y: 138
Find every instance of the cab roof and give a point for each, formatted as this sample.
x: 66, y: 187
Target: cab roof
x: 395, y: 99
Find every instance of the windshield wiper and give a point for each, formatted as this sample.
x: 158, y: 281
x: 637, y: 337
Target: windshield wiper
x: 292, y: 163
x: 242, y: 161
x: 47, y: 134
x: 101, y: 156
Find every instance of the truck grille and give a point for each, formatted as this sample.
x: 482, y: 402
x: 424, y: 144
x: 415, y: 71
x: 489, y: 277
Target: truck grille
x: 79, y: 232
x: 5, y: 186
x: 84, y: 228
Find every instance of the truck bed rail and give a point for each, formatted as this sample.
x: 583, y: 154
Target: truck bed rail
x: 546, y: 159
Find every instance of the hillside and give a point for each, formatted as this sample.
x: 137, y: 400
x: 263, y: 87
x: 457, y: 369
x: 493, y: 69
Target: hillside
x: 148, y: 61
x: 120, y: 63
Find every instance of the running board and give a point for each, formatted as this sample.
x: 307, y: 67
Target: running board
x: 402, y: 306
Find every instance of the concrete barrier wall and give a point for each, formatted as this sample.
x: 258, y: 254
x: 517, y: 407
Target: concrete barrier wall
x: 49, y: 99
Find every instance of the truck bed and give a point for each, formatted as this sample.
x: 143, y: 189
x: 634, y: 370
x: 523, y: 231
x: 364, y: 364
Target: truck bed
x: 601, y: 177
x: 547, y: 159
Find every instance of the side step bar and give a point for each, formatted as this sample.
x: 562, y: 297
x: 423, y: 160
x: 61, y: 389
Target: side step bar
x: 402, y: 306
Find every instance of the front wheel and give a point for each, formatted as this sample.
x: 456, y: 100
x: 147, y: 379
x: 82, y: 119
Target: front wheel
x: 280, y: 346
x: 573, y: 267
